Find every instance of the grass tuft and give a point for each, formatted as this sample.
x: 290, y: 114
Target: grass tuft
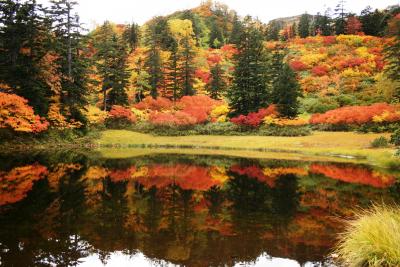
x: 372, y: 238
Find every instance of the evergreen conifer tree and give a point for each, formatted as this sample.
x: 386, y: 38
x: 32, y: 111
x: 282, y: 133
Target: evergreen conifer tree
x: 249, y: 89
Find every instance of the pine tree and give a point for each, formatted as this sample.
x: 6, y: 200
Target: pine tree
x: 340, y: 20
x: 186, y: 69
x: 131, y: 36
x: 285, y: 92
x: 217, y: 84
x: 24, y: 41
x: 171, y: 75
x: 111, y: 66
x: 304, y: 26
x: 249, y: 89
x: 392, y: 54
x: 153, y: 61
x: 216, y: 38
x: 373, y: 23
x: 70, y: 45
x: 237, y: 29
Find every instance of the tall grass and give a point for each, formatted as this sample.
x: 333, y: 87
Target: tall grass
x: 372, y: 238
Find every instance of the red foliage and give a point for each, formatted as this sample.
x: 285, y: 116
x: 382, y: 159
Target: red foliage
x: 380, y: 64
x: 353, y: 25
x: 352, y: 114
x: 119, y: 112
x: 297, y: 65
x: 329, y: 40
x: 254, y: 119
x: 154, y: 104
x: 214, y: 58
x: 178, y: 118
x: 320, y: 70
x: 351, y: 62
x: 229, y: 50
x: 203, y: 75
x: 16, y: 114
x: 354, y: 175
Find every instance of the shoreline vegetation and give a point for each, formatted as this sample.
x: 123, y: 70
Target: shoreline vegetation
x: 335, y: 146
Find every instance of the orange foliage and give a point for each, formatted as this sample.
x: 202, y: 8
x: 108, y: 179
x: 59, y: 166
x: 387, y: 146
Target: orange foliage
x: 119, y: 112
x: 356, y: 114
x: 16, y: 114
x: 154, y: 104
x: 188, y: 177
x: 354, y: 175
x: 16, y: 183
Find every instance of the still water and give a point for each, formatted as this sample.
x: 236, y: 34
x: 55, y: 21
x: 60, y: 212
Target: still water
x: 71, y: 209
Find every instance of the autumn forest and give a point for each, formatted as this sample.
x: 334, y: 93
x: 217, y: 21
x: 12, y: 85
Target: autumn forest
x: 200, y: 119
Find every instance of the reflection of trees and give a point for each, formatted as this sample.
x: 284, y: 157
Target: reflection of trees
x: 202, y: 215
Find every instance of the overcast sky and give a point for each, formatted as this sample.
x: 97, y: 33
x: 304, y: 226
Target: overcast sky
x: 139, y: 11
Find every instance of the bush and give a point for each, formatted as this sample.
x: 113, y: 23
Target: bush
x: 254, y: 119
x: 219, y: 128
x: 120, y: 117
x: 380, y: 142
x: 284, y: 131
x: 395, y: 138
x: 318, y: 105
x: 371, y: 239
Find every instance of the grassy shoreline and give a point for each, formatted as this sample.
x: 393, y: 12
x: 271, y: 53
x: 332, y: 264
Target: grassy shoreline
x: 345, y: 145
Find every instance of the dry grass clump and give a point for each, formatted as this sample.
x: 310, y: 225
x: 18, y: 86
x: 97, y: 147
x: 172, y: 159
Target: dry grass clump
x: 372, y: 238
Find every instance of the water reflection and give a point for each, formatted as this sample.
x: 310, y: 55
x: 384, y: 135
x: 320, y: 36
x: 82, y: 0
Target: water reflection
x: 71, y: 209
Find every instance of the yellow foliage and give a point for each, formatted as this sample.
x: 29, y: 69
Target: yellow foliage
x: 351, y: 40
x: 271, y: 120
x: 313, y: 59
x: 95, y: 115
x: 363, y: 53
x: 353, y: 73
x: 140, y: 114
x: 181, y: 28
x: 220, y: 111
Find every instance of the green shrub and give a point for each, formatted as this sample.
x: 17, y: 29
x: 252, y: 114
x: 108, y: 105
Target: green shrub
x: 395, y: 138
x: 219, y: 128
x: 380, y: 142
x: 371, y: 239
x: 284, y: 131
x: 317, y: 105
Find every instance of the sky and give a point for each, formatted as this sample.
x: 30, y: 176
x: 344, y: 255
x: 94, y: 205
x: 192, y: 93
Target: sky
x: 94, y: 12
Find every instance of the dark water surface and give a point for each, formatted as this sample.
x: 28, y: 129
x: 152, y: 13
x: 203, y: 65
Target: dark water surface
x: 68, y: 209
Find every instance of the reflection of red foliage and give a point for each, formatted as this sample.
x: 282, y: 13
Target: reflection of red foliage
x: 253, y: 172
x: 19, y: 181
x: 354, y: 175
x: 188, y: 177
x: 254, y: 119
x: 122, y: 175
x: 353, y: 114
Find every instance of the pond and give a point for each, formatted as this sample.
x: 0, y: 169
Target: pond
x: 79, y: 209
